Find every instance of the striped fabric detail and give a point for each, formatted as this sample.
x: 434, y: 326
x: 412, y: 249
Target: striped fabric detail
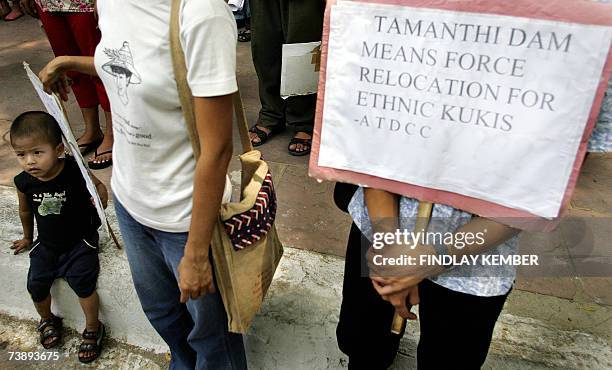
x: 247, y: 228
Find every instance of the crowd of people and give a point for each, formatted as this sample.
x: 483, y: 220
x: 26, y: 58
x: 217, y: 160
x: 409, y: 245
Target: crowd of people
x: 115, y: 55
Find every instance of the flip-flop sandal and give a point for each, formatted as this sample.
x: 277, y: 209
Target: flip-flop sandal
x: 262, y: 135
x: 96, y: 348
x: 11, y: 17
x: 304, y: 142
x: 50, y: 328
x: 100, y: 165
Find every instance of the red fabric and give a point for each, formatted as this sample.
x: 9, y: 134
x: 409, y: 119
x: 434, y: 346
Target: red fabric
x: 77, y: 34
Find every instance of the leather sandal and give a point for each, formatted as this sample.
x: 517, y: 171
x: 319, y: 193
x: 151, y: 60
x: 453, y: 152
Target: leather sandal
x: 50, y: 328
x: 96, y: 347
x: 100, y: 164
x: 262, y: 135
x: 307, y: 143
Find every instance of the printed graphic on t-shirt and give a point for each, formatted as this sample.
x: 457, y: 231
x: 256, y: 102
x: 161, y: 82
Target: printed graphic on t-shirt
x: 121, y: 67
x: 50, y: 203
x: 133, y: 133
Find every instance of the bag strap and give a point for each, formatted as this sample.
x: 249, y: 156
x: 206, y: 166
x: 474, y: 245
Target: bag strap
x: 185, y: 95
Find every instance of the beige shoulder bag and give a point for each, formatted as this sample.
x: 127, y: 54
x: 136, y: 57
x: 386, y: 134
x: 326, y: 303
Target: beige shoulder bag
x: 245, y: 246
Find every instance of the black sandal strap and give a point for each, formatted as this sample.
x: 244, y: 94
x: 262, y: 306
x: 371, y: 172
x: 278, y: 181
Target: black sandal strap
x: 54, y: 321
x: 297, y: 140
x: 87, y: 347
x: 96, y: 347
x: 90, y: 335
x: 261, y: 134
x: 50, y: 328
x: 94, y: 335
x: 43, y: 324
x: 54, y: 335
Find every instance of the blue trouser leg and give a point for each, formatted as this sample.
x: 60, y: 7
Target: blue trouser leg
x: 195, y: 332
x: 216, y: 347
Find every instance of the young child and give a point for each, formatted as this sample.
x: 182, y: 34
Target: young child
x: 52, y: 191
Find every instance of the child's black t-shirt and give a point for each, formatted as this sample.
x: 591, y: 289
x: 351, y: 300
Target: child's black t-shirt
x: 62, y: 207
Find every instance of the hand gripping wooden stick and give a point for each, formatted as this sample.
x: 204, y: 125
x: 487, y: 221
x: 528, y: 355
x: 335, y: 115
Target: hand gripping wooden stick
x: 423, y: 216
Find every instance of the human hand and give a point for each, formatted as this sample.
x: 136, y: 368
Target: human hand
x: 195, y: 275
x: 386, y: 286
x: 29, y: 6
x: 402, y: 261
x: 21, y: 245
x: 54, y: 79
x: 402, y: 301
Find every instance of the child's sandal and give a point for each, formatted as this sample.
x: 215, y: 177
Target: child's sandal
x: 50, y: 328
x: 96, y: 348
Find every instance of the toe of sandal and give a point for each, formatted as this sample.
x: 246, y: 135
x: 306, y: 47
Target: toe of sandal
x: 98, y: 165
x: 95, y: 348
x: 307, y: 143
x: 50, y: 328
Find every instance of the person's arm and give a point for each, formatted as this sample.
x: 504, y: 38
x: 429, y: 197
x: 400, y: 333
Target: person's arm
x: 383, y: 209
x: 27, y: 223
x: 101, y: 188
x: 53, y: 75
x: 214, y: 127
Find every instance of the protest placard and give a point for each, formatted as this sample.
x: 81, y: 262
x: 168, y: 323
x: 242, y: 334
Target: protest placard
x: 485, y: 106
x: 55, y: 108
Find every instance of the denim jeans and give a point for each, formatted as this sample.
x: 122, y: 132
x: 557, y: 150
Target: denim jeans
x: 196, y: 332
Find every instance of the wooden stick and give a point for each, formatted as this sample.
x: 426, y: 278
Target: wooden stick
x: 423, y: 216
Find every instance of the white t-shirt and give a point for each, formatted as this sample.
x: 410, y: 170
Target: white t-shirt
x: 153, y: 164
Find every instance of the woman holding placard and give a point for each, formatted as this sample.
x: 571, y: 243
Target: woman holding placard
x: 452, y: 302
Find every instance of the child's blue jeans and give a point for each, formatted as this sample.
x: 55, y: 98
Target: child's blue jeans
x: 196, y: 332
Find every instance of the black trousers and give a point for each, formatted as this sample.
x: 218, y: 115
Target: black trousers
x: 456, y: 328
x: 274, y: 23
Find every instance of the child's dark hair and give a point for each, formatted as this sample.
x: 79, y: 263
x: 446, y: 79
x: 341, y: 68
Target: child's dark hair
x: 38, y: 124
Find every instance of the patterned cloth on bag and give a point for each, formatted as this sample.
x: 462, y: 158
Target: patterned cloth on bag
x: 68, y: 6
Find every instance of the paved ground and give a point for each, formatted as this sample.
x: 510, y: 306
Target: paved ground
x: 295, y: 329
x: 308, y: 219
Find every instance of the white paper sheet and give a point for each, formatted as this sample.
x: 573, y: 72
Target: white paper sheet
x: 384, y: 116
